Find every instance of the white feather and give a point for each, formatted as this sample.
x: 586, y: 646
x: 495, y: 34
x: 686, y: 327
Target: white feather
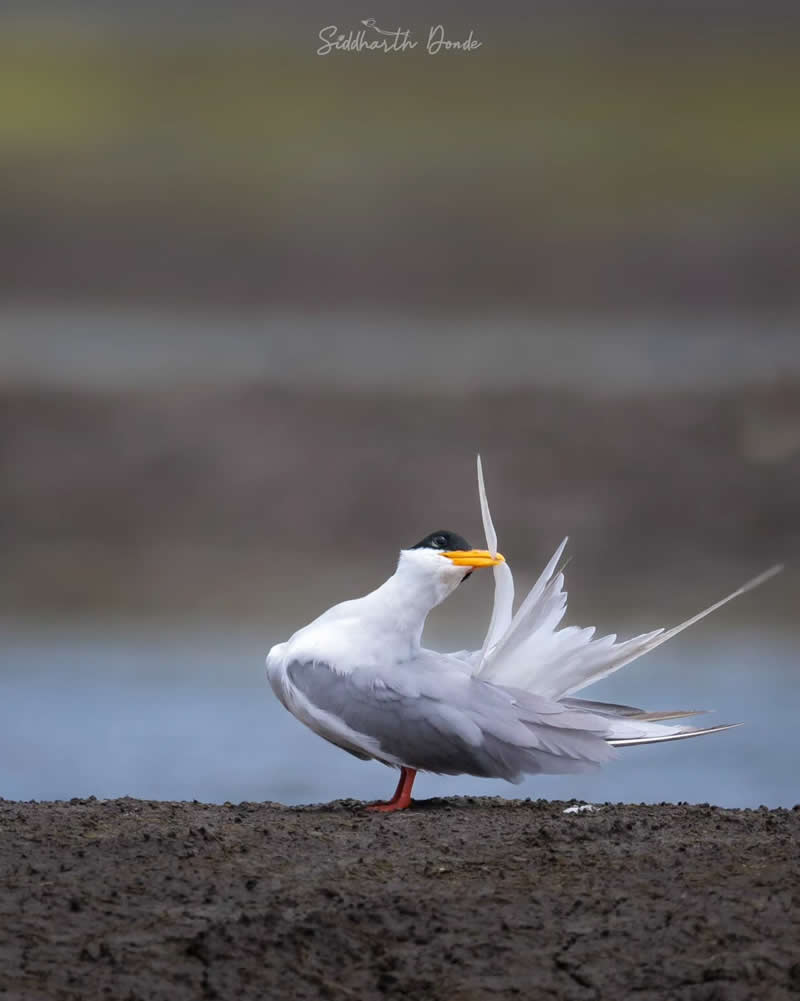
x: 536, y: 656
x: 488, y: 526
x: 503, y: 604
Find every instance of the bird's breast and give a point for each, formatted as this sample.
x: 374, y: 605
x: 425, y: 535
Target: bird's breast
x: 345, y: 646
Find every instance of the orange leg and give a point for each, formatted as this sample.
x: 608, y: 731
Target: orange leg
x: 402, y: 794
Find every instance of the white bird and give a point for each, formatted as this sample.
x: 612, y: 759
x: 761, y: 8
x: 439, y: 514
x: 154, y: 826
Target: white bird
x: 359, y: 677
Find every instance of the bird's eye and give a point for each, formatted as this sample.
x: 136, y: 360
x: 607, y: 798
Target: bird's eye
x: 439, y: 542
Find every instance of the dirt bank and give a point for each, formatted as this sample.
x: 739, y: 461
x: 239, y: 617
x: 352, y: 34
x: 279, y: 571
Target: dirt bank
x: 456, y: 899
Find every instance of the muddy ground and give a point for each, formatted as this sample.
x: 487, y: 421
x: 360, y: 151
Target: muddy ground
x: 457, y: 899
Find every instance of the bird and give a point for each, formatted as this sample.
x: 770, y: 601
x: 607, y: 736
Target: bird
x: 359, y: 677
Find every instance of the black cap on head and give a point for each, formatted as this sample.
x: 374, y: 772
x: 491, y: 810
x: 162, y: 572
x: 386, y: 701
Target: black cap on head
x: 445, y: 541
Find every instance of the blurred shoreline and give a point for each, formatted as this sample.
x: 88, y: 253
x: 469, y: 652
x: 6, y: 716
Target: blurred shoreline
x: 176, y: 496
x: 439, y: 353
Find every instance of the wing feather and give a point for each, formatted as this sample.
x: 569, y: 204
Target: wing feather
x: 449, y: 722
x: 503, y: 604
x: 537, y: 656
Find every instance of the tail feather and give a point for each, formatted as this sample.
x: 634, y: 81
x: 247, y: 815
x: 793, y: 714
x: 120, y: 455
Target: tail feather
x: 664, y: 635
x: 670, y: 714
x: 614, y: 710
x: 660, y: 738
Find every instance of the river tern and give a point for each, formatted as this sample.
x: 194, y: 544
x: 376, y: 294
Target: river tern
x: 359, y: 676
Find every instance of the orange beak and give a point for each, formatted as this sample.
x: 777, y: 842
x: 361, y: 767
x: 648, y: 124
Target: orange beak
x: 474, y: 558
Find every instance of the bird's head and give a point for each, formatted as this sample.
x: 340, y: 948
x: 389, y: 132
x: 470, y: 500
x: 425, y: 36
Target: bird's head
x: 446, y: 559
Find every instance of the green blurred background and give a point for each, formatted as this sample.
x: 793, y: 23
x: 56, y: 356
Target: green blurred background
x: 574, y: 161
x: 260, y: 308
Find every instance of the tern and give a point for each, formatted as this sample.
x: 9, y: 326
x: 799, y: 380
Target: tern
x: 359, y: 676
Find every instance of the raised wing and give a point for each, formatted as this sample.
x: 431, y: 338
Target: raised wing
x: 535, y: 655
x: 529, y: 651
x: 503, y: 605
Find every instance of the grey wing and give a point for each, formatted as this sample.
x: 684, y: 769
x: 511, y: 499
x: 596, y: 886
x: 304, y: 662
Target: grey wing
x: 430, y: 717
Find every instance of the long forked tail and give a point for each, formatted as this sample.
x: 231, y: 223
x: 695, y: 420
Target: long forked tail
x: 629, y: 725
x: 677, y: 735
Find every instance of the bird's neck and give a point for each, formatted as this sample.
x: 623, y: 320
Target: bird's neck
x: 384, y: 626
x: 401, y: 605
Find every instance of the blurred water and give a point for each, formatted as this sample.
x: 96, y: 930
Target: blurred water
x: 185, y: 714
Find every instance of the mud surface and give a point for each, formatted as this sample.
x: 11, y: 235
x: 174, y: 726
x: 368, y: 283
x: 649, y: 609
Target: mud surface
x: 457, y: 899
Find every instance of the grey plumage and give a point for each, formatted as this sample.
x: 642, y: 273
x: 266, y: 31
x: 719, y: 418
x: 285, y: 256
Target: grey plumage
x: 434, y: 717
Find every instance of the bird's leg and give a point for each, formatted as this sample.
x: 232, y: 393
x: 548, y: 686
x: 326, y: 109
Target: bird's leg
x: 397, y: 793
x: 402, y: 794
